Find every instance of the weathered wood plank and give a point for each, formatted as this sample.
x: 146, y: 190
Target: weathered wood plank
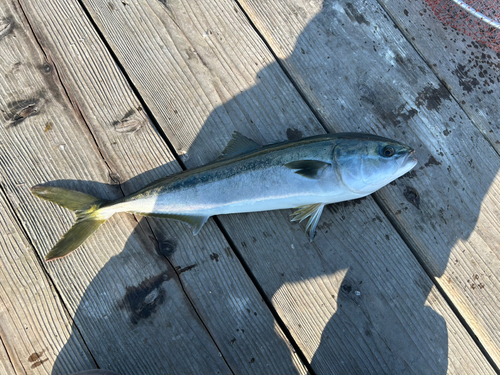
x: 125, y: 298
x: 33, y: 323
x: 6, y: 366
x: 470, y: 70
x: 225, y: 86
x: 359, y: 73
x: 136, y: 155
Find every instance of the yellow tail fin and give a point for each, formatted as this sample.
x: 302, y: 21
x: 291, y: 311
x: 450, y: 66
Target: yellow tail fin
x: 87, y: 219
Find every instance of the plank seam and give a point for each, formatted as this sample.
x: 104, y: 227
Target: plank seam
x: 178, y: 273
x: 18, y: 222
x: 7, y: 352
x: 164, y: 137
x: 401, y: 234
x: 77, y: 108
x: 375, y: 195
x: 277, y: 318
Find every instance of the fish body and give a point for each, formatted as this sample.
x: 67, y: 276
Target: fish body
x: 305, y: 174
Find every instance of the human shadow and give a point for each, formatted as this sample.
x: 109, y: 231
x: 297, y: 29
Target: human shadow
x: 384, y: 343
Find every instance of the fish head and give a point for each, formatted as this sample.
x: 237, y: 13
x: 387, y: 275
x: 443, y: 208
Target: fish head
x: 366, y: 163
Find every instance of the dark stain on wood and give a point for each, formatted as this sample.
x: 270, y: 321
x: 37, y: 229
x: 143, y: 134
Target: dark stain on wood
x: 6, y: 26
x: 214, y: 256
x: 143, y: 300
x: 412, y: 196
x: 167, y: 247
x: 130, y: 122
x: 432, y: 161
x: 352, y: 12
x: 35, y: 356
x: 181, y: 270
x: 467, y: 83
x: 36, y: 359
x: 432, y: 97
x: 52, y: 82
x: 111, y: 6
x: 293, y: 134
x: 22, y: 109
x: 384, y: 107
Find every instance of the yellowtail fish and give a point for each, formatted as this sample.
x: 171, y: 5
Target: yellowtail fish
x: 306, y: 174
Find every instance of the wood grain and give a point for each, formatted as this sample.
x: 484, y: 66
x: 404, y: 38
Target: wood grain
x: 125, y: 299
x: 469, y: 70
x: 34, y: 325
x: 6, y: 365
x: 136, y: 155
x: 204, y: 73
x: 358, y: 71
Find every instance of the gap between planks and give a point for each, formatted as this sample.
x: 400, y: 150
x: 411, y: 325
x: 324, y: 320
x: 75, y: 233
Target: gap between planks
x: 225, y: 234
x: 164, y: 137
x: 382, y: 207
x: 157, y: 127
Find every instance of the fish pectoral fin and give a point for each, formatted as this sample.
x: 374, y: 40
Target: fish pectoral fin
x: 239, y: 144
x: 308, y: 168
x: 311, y: 211
x: 195, y: 222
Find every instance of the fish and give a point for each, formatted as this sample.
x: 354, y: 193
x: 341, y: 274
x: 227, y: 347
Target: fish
x: 306, y: 174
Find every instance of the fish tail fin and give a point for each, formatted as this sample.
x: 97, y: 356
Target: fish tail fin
x: 89, y: 217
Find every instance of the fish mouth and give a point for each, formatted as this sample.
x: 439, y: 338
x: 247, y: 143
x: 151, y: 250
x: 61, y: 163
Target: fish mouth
x: 409, y: 162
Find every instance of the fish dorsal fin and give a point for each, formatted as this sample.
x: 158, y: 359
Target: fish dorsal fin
x: 308, y: 168
x: 311, y: 211
x: 238, y: 145
x: 195, y: 222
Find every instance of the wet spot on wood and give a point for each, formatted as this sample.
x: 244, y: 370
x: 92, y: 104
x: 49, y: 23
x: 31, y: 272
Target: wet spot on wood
x: 36, y: 359
x: 6, y: 26
x: 467, y: 83
x: 412, y: 196
x: 352, y: 12
x: 432, y: 97
x: 22, y: 109
x: 432, y: 161
x: 446, y: 132
x: 131, y: 122
x: 293, y: 134
x: 143, y: 300
x: 384, y: 106
x: 36, y: 356
x: 214, y: 256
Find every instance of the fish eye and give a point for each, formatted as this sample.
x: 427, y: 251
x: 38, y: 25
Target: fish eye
x: 387, y: 151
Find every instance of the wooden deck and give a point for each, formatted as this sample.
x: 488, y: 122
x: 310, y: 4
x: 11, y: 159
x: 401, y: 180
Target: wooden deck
x: 106, y: 96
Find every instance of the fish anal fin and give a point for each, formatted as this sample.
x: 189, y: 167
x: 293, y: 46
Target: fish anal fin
x: 238, y: 145
x: 195, y: 222
x: 308, y: 168
x: 311, y: 211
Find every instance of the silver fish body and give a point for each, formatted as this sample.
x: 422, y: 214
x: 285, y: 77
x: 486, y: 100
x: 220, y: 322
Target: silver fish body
x: 305, y: 174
